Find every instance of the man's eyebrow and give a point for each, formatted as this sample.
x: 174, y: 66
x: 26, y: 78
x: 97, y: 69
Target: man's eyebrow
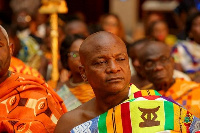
x: 99, y: 57
x: 120, y: 54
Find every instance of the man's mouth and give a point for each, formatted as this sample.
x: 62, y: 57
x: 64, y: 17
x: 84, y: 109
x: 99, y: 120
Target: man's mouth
x: 159, y: 75
x: 117, y: 79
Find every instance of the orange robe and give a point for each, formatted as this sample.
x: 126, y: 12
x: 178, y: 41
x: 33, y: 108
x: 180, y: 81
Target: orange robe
x: 27, y: 104
x: 83, y: 92
x: 16, y: 65
x: 186, y: 93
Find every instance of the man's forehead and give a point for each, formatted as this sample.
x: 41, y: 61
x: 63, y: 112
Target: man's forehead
x: 100, y: 43
x: 100, y: 40
x: 153, y: 49
x: 106, y: 48
x: 156, y: 46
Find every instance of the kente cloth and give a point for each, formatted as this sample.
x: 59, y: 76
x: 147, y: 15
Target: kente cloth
x: 17, y: 65
x: 83, y: 92
x: 145, y: 111
x: 27, y: 104
x: 185, y: 93
x: 187, y: 54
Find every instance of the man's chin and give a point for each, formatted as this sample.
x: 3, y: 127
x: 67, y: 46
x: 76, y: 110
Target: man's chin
x: 162, y: 84
x: 116, y: 87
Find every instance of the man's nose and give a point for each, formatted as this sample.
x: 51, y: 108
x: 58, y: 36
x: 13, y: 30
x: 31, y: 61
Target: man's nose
x: 158, y: 66
x: 113, y: 67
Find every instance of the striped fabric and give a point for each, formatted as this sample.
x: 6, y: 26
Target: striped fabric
x: 145, y: 111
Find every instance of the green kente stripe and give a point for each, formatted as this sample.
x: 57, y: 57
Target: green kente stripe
x: 169, y: 115
x: 156, y: 93
x: 102, y: 123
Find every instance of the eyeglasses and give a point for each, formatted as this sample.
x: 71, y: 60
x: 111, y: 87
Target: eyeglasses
x: 151, y: 64
x: 73, y: 54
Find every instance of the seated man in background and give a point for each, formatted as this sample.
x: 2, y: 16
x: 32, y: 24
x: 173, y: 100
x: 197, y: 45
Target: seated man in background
x: 27, y: 104
x: 158, y: 66
x: 119, y: 107
x: 138, y: 78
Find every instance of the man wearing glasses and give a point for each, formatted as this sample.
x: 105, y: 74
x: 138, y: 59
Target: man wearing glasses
x: 158, y: 66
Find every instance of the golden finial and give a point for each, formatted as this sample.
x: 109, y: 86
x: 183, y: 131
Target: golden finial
x: 53, y: 6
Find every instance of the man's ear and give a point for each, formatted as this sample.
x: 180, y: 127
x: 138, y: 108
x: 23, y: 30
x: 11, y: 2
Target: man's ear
x: 11, y: 47
x: 82, y: 72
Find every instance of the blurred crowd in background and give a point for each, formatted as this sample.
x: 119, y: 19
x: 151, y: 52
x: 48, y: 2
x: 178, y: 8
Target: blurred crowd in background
x: 29, y: 31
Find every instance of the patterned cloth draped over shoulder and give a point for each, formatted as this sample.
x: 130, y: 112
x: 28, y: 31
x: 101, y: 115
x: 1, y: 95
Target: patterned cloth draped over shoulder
x: 27, y: 104
x: 145, y: 111
x: 17, y: 65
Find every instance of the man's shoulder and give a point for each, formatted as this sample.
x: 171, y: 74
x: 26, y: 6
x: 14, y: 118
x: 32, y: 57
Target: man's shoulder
x: 75, y: 117
x: 70, y: 120
x: 185, y: 83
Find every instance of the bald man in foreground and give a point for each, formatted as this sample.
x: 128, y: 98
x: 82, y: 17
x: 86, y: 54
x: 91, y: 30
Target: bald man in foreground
x: 118, y: 106
x: 27, y: 104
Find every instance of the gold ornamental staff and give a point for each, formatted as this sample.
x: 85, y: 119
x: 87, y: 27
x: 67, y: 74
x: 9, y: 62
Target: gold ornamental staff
x: 53, y: 7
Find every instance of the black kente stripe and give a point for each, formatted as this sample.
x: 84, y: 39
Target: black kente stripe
x: 180, y: 120
x: 148, y: 92
x: 113, y: 121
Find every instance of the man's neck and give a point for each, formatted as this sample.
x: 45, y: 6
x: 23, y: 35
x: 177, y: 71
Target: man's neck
x: 165, y: 86
x: 4, y: 77
x: 110, y: 101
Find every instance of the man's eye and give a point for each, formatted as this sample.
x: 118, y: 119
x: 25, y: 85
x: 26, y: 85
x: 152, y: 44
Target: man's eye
x: 149, y: 64
x: 100, y: 62
x: 120, y: 59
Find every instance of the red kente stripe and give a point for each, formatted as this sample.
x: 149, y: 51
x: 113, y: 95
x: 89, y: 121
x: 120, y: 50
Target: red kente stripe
x: 137, y: 94
x: 126, y: 119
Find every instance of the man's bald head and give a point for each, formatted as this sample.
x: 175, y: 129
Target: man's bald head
x: 4, y: 33
x: 97, y: 41
x: 152, y: 48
